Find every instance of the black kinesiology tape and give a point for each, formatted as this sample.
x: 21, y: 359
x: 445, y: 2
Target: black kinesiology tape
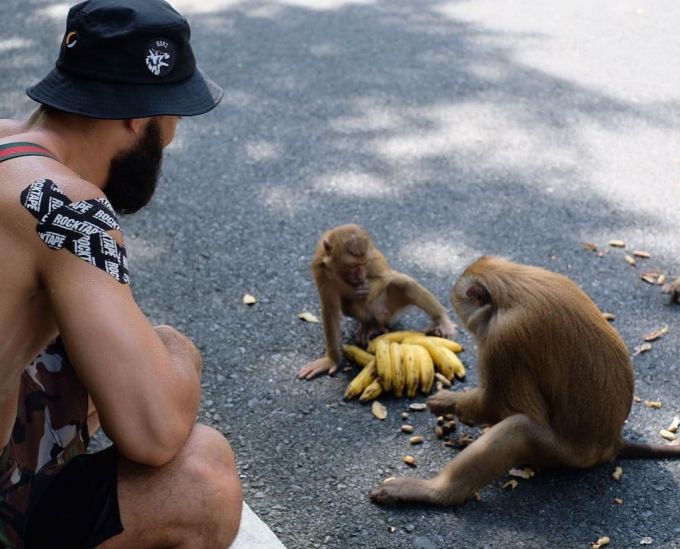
x: 79, y: 227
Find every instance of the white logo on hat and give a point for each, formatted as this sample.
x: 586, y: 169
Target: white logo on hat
x: 156, y: 60
x: 160, y: 57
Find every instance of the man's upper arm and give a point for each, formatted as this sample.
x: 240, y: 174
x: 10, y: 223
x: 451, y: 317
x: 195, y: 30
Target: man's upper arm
x: 145, y: 401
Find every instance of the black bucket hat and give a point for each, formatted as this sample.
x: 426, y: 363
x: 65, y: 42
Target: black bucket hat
x: 126, y: 59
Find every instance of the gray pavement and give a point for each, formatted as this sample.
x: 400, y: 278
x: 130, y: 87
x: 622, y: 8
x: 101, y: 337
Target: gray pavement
x: 450, y: 130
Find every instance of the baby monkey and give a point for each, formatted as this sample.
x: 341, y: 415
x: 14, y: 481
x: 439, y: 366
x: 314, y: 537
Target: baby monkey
x: 354, y: 278
x: 555, y: 383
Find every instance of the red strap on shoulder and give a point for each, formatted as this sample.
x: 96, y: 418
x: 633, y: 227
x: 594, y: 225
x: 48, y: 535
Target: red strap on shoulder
x: 23, y: 148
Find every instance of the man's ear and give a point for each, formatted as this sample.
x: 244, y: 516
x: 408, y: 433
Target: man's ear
x: 136, y: 125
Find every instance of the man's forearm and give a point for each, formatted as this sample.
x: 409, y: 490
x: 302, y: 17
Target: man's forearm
x: 179, y: 406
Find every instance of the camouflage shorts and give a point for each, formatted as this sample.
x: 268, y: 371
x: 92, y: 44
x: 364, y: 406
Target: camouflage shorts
x: 50, y: 429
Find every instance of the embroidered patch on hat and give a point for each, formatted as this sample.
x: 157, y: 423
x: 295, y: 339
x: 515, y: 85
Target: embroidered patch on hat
x: 160, y: 57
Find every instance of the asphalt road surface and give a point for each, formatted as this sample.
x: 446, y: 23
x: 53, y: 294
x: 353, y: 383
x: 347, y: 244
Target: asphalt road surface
x: 450, y: 130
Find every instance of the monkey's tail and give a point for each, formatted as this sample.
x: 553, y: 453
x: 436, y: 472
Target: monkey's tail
x: 635, y: 450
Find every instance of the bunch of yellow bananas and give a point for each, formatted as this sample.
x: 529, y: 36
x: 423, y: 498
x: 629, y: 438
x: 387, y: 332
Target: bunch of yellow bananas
x: 401, y: 362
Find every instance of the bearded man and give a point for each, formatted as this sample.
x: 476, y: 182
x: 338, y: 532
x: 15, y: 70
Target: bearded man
x: 76, y: 350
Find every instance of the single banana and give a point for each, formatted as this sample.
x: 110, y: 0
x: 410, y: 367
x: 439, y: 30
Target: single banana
x: 448, y: 363
x: 373, y: 391
x: 390, y: 337
x: 458, y: 367
x: 425, y: 367
x: 420, y: 339
x: 448, y: 343
x: 357, y: 354
x: 383, y: 366
x: 411, y: 371
x: 398, y: 374
x: 441, y: 356
x: 362, y: 380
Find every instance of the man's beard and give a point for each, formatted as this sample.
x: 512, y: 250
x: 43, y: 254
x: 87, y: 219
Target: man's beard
x: 134, y: 173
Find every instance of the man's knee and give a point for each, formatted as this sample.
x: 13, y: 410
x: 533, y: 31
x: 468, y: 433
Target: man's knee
x: 210, y: 463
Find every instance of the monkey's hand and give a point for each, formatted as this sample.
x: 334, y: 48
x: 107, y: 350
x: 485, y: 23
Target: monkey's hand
x: 317, y: 367
x: 443, y: 328
x: 361, y: 292
x: 366, y: 332
x: 442, y: 402
x: 462, y: 404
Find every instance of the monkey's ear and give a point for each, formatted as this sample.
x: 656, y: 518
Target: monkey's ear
x: 327, y: 245
x: 479, y: 294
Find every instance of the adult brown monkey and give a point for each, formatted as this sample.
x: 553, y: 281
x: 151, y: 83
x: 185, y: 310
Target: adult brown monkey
x: 354, y: 278
x: 555, y: 380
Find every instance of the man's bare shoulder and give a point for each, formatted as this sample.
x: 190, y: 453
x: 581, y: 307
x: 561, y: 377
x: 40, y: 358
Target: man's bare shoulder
x: 18, y: 173
x: 18, y: 177
x: 9, y: 127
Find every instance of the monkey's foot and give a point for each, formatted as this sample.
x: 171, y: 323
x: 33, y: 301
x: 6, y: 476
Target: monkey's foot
x: 673, y: 288
x: 403, y: 490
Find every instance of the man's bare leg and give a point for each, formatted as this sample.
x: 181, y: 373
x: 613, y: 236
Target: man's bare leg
x: 192, y: 501
x: 93, y: 422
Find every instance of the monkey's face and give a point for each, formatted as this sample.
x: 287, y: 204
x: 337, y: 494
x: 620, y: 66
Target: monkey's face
x: 346, y: 254
x: 353, y: 271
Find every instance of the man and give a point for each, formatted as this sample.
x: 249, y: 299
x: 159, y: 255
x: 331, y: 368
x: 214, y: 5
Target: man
x: 124, y: 76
